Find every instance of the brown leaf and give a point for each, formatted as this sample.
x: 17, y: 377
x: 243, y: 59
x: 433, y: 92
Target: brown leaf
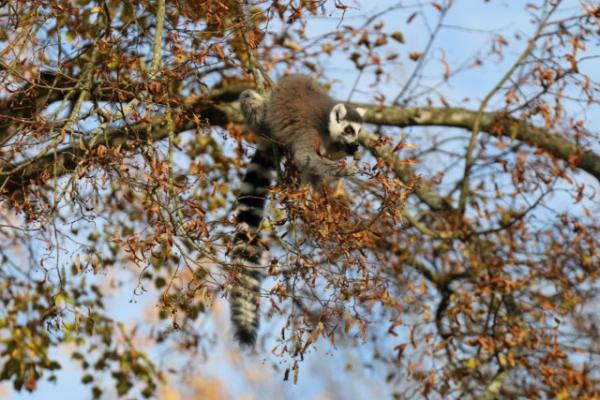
x: 254, y: 37
x: 573, y: 61
x: 415, y: 55
x: 444, y: 61
x: 327, y: 48
x: 31, y: 384
x: 364, y: 39
x: 381, y: 40
x: 101, y: 150
x: 400, y: 349
x: 219, y: 51
x: 398, y: 37
x: 511, y: 96
x: 391, y: 330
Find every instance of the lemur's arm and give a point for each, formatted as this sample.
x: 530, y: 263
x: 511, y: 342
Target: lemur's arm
x: 306, y: 158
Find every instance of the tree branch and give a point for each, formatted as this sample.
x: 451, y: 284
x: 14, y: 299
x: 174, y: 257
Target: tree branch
x: 29, y: 100
x: 219, y: 108
x: 495, y: 124
x: 464, y: 187
x: 402, y: 171
x: 128, y: 137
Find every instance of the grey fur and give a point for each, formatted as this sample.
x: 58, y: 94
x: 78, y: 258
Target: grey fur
x: 297, y: 115
x: 299, y: 119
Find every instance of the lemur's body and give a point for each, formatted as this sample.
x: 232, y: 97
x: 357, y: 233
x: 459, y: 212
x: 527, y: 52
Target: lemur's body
x: 303, y: 122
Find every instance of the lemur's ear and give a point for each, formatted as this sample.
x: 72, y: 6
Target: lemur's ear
x: 361, y: 111
x: 340, y: 112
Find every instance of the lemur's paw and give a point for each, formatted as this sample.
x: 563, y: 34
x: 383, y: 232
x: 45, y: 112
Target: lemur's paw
x: 345, y: 170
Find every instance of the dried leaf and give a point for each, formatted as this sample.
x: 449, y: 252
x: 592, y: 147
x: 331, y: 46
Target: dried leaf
x: 415, y: 55
x: 218, y: 51
x: 398, y: 37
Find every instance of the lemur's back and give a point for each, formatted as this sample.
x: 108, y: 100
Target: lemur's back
x: 296, y: 104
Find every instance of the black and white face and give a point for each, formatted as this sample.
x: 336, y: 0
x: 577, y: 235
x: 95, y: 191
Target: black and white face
x: 350, y: 132
x: 341, y: 129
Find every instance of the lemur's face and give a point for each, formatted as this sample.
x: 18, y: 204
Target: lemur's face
x: 344, y: 124
x: 347, y: 132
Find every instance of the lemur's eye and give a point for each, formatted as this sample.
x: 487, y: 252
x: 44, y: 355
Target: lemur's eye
x: 349, y: 130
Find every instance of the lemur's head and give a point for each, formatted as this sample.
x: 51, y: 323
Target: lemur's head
x: 345, y: 122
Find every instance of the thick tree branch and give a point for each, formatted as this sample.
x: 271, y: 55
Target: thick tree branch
x: 67, y: 160
x: 30, y: 100
x: 219, y: 108
x: 129, y: 138
x: 495, y: 124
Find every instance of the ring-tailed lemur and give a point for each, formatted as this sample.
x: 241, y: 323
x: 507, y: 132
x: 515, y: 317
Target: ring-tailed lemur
x: 315, y: 132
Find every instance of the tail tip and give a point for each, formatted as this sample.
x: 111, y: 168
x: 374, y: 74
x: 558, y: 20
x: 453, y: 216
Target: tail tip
x: 246, y: 338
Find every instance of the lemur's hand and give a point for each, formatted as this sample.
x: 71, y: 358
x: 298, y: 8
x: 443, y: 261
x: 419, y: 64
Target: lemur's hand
x: 346, y: 170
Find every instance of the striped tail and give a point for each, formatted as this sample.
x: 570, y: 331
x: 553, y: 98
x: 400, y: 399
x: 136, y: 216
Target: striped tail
x: 247, y: 251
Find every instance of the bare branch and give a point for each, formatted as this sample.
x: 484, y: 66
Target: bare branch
x: 402, y: 171
x: 464, y: 189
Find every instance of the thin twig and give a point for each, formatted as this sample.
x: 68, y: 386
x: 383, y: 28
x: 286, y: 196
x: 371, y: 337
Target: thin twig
x: 477, y: 123
x: 419, y: 65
